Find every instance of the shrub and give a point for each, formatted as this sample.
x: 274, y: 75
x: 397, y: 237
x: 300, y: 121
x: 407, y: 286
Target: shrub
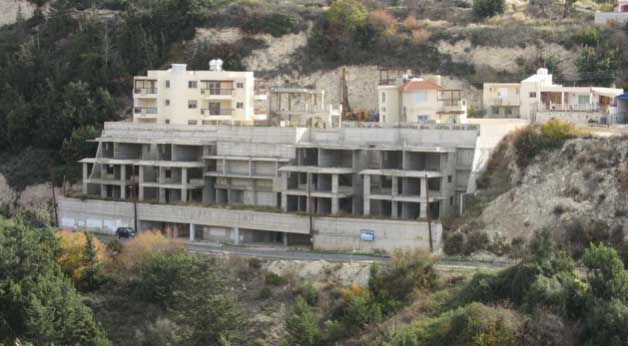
x: 265, y: 293
x: 488, y: 8
x: 302, y: 325
x: 276, y: 24
x: 349, y: 15
x: 383, y: 22
x: 420, y: 37
x: 476, y: 241
x: 308, y: 292
x: 556, y: 132
x: 273, y: 279
x: 590, y: 37
x: 145, y: 245
x: 410, y: 23
x: 606, y: 323
x: 454, y: 244
x: 605, y: 273
x: 475, y: 324
x: 359, y: 308
x: 392, y: 284
x: 598, y: 65
x: 161, y: 274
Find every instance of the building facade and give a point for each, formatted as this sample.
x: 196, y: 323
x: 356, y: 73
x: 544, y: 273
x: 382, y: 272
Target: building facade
x: 178, y: 96
x: 419, y: 100
x: 383, y: 178
x: 302, y: 107
x: 537, y: 98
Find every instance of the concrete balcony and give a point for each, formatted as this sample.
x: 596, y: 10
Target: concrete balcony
x: 209, y: 112
x: 145, y: 92
x: 216, y: 94
x: 554, y: 107
x: 145, y: 111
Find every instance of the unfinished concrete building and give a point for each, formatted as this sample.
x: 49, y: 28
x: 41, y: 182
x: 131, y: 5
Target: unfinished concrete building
x: 320, y: 187
x: 302, y: 107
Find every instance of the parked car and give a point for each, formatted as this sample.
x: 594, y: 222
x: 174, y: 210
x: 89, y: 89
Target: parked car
x: 125, y: 232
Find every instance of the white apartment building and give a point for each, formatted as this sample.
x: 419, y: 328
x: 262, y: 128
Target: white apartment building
x: 419, y: 100
x: 618, y: 16
x: 182, y: 97
x: 537, y: 98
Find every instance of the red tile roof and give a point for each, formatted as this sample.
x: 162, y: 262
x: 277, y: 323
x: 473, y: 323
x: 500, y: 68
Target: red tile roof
x: 420, y: 85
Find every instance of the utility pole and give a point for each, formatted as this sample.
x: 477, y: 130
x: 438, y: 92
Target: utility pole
x: 54, y: 204
x: 427, y: 212
x: 308, y: 177
x: 134, y: 188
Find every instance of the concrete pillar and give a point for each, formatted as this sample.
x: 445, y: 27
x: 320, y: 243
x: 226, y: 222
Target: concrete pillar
x: 395, y: 186
x: 161, y: 178
x: 141, y: 174
x: 284, y: 202
x: 162, y: 195
x: 423, y: 204
x: 192, y: 232
x: 393, y: 211
x: 123, y: 191
x: 85, y: 177
x: 140, y: 193
x: 103, y: 191
x: 285, y: 239
x: 236, y: 235
x: 184, y: 181
x: 123, y: 173
x: 175, y: 230
x: 367, y: 193
x: 334, y: 183
x: 334, y: 206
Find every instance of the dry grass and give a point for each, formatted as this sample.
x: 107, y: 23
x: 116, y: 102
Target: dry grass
x: 420, y: 37
x: 144, y: 245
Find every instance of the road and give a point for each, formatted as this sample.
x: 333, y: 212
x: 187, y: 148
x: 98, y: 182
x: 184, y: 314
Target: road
x: 280, y: 253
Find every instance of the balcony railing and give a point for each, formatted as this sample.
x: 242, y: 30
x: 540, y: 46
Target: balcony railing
x: 144, y: 110
x: 220, y: 111
x: 570, y: 108
x: 216, y: 92
x: 145, y: 91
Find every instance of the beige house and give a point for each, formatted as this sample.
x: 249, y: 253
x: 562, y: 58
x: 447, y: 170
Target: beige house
x: 537, y: 98
x: 418, y: 100
x: 179, y: 96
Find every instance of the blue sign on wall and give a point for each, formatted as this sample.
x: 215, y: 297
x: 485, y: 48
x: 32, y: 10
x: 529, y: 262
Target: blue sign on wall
x: 367, y: 235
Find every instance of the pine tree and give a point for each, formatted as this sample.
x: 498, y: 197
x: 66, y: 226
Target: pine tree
x: 91, y: 275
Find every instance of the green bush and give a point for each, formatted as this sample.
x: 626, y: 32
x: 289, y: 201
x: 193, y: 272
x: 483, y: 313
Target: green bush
x: 360, y: 309
x: 475, y: 324
x: 488, y: 8
x: 476, y: 241
x: 161, y: 275
x: 273, y: 279
x: 392, y: 285
x: 276, y: 24
x: 606, y: 323
x: 302, y: 325
x: 454, y: 244
x: 265, y: 293
x: 532, y: 140
x: 309, y: 294
x: 588, y: 37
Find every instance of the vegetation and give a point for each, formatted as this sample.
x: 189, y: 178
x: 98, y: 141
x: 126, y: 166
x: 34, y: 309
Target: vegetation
x: 488, y: 8
x: 38, y: 304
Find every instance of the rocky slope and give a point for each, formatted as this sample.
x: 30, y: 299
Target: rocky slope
x: 580, y: 192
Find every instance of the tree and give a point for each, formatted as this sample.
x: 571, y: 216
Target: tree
x: 488, y: 8
x: 347, y: 15
x: 38, y: 304
x: 92, y: 269
x: 605, y: 273
x: 76, y: 146
x: 598, y: 65
x: 302, y: 325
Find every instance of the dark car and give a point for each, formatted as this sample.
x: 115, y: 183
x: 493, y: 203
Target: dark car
x: 125, y: 232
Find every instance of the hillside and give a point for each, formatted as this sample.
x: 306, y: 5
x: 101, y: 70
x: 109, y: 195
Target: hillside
x: 576, y: 190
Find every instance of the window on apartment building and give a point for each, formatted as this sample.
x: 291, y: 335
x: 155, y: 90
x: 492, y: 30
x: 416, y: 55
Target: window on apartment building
x: 192, y: 122
x: 192, y: 104
x: 110, y: 169
x: 192, y: 84
x: 167, y: 102
x: 239, y: 85
x: 451, y: 200
x: 167, y: 84
x: 420, y: 97
x: 239, y: 105
x: 449, y: 179
x: 168, y: 173
x: 422, y: 118
x: 533, y: 95
x: 583, y: 99
x: 167, y: 121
